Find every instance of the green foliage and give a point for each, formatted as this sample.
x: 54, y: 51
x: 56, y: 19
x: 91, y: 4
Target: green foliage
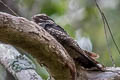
x: 39, y: 68
x: 51, y: 7
x: 70, y: 30
x: 42, y: 71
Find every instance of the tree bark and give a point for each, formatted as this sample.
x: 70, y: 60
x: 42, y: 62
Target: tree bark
x: 16, y: 64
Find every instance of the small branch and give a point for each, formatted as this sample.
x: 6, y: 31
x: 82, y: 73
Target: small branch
x: 105, y: 30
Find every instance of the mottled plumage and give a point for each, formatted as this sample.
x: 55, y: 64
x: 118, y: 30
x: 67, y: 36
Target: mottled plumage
x: 82, y: 57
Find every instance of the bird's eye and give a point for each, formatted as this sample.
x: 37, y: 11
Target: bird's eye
x: 45, y: 17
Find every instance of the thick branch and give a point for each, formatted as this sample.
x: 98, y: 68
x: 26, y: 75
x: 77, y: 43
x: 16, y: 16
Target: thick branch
x: 35, y: 40
x: 18, y: 65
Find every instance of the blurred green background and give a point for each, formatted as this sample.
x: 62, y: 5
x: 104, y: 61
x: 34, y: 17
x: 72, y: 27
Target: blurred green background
x: 81, y: 19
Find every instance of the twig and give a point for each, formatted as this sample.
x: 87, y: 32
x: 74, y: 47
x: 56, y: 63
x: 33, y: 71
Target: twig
x: 106, y: 23
x: 9, y: 8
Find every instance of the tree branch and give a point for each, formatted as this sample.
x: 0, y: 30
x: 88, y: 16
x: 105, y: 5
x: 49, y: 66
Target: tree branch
x: 18, y: 65
x: 35, y: 40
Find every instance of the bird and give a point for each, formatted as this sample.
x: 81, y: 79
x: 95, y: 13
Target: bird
x: 83, y: 57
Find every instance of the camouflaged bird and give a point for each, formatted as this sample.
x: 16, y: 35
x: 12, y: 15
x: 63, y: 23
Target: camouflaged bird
x: 82, y: 57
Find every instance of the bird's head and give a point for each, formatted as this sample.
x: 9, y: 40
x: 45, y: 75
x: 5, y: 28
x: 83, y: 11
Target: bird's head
x: 42, y: 19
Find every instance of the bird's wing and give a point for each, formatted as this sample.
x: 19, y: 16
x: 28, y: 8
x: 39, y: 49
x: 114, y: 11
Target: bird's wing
x: 69, y: 42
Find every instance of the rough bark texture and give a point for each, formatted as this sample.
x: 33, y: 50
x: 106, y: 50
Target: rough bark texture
x: 16, y: 64
x: 111, y: 73
x: 35, y: 40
